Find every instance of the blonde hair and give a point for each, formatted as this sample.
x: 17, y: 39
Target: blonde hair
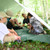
x: 2, y: 17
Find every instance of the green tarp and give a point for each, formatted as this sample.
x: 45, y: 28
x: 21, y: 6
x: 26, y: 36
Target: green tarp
x: 25, y: 35
x: 10, y: 5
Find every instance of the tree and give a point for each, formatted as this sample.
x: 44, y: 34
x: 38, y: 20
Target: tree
x: 47, y: 10
x: 44, y: 9
x: 36, y: 5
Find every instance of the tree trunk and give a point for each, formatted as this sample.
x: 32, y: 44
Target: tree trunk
x: 36, y: 6
x: 47, y: 10
x: 44, y: 9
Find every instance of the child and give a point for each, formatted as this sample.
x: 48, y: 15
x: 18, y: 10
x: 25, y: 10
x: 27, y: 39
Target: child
x: 7, y: 35
x: 26, y: 19
x: 35, y: 25
x: 11, y: 22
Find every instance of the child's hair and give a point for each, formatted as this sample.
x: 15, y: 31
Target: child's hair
x: 22, y: 14
x: 29, y: 15
x: 2, y: 17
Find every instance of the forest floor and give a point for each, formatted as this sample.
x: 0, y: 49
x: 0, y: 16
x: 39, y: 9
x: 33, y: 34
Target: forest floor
x: 28, y: 45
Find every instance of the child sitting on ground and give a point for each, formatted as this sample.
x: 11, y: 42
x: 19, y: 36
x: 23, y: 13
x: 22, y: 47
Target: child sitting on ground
x: 35, y: 25
x: 7, y: 35
x: 25, y: 20
x: 11, y: 22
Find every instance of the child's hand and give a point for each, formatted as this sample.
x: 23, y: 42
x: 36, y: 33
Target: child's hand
x: 28, y: 24
x: 20, y: 23
x: 9, y: 34
x: 29, y: 27
x: 18, y: 38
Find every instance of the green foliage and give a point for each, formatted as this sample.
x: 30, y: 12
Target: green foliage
x: 21, y: 1
x: 24, y: 48
x: 25, y: 45
x: 47, y: 31
x: 0, y: 41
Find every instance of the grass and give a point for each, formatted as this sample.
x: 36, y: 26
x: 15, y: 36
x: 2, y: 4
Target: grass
x: 27, y: 45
